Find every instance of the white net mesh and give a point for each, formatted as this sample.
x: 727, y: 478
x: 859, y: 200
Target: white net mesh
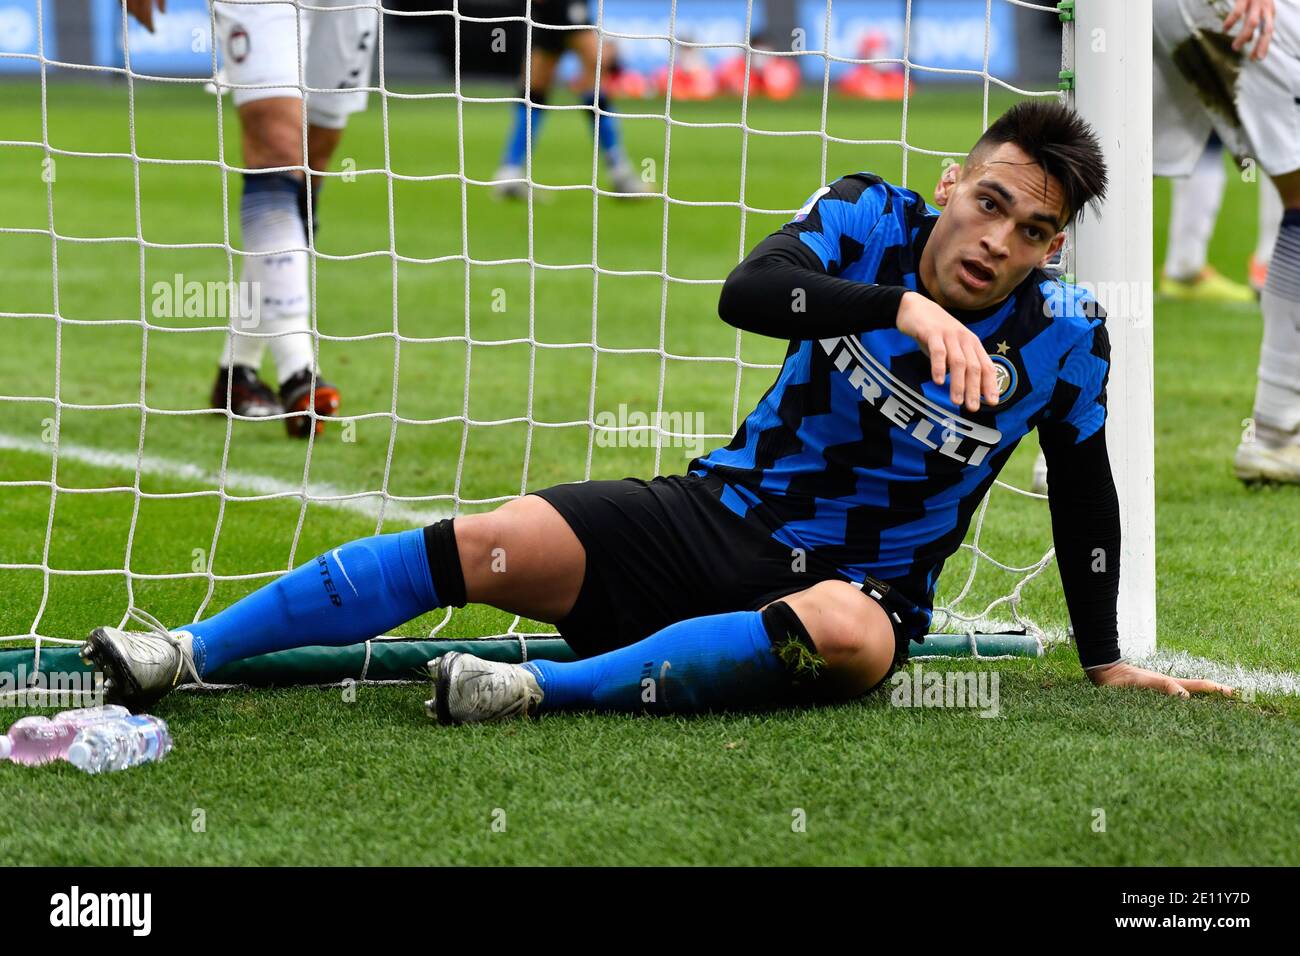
x: 622, y: 391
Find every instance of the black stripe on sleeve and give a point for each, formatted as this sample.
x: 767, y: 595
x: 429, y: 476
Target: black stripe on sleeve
x: 781, y: 290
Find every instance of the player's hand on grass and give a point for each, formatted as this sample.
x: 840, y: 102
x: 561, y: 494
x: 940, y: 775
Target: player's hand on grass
x: 1126, y: 675
x: 1254, y: 16
x: 142, y: 10
x: 954, y: 350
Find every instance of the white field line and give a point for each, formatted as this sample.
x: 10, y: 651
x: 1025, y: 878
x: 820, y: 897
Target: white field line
x: 1174, y: 663
x: 1182, y: 664
x: 237, y: 482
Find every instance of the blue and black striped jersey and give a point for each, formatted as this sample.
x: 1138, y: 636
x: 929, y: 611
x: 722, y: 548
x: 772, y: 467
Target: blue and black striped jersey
x: 854, y: 454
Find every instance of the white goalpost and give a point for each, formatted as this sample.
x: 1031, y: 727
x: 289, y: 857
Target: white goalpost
x: 1112, y: 53
x: 1106, y: 73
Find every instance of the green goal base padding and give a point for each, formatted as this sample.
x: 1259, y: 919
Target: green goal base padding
x: 405, y: 659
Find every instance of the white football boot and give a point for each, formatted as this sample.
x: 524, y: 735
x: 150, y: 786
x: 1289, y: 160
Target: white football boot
x: 624, y: 181
x: 1256, y: 461
x: 467, y: 689
x: 511, y: 183
x: 140, y: 666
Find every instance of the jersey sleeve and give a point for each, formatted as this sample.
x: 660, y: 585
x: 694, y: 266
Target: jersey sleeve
x: 840, y: 216
x: 1078, y: 404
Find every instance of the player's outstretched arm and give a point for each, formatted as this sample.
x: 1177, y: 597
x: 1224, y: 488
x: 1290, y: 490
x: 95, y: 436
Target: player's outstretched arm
x: 142, y: 10
x: 1086, y: 533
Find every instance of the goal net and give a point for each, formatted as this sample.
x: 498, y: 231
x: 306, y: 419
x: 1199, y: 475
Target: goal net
x: 487, y: 347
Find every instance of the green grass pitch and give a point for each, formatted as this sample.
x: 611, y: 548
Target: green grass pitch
x: 302, y: 776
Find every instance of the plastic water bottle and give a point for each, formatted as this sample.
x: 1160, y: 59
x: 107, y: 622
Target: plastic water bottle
x: 85, y: 716
x: 118, y: 744
x: 37, y: 740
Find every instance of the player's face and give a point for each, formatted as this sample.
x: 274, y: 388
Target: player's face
x: 1001, y: 218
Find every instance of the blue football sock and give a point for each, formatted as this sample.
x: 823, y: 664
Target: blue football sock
x: 704, y: 663
x: 517, y: 144
x: 350, y: 594
x: 607, y: 132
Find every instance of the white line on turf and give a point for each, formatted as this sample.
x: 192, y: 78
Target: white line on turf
x: 1182, y: 664
x: 237, y: 482
x: 1175, y: 663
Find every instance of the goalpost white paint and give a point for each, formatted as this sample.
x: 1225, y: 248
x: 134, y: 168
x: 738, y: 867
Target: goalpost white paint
x: 1112, y: 54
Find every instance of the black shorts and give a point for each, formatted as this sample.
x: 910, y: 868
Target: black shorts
x: 668, y: 549
x: 557, y: 13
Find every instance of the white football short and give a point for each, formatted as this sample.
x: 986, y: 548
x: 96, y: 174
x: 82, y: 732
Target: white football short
x: 1201, y: 84
x: 262, y: 45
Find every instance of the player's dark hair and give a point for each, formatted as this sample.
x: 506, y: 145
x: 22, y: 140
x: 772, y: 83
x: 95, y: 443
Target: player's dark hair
x: 1058, y: 139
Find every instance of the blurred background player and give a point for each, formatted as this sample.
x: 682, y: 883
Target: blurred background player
x: 1194, y: 203
x: 262, y: 45
x: 775, y: 77
x: 548, y: 45
x: 1231, y: 68
x: 874, y: 80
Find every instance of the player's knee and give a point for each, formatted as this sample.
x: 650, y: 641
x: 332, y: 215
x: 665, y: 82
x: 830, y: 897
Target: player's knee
x: 272, y: 140
x: 850, y: 632
x: 1288, y: 187
x: 275, y: 152
x: 833, y: 611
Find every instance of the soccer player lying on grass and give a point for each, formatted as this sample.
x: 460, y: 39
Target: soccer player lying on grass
x: 797, y: 563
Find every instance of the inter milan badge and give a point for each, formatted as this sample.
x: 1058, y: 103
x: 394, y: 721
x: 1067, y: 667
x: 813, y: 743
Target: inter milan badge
x: 1007, y: 378
x: 237, y: 44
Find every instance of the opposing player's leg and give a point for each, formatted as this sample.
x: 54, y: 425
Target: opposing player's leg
x: 828, y: 642
x: 529, y: 115
x: 1196, y: 198
x: 262, y: 46
x: 322, y: 141
x: 339, y: 59
x: 523, y: 557
x: 1272, y: 452
x: 274, y: 231
x: 339, y: 52
x: 1246, y: 102
x: 605, y: 126
x: 303, y: 391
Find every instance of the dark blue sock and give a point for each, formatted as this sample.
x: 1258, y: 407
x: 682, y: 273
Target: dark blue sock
x: 350, y: 594
x: 704, y: 663
x: 607, y: 132
x: 517, y: 144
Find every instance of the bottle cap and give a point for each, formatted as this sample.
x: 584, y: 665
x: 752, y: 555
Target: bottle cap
x: 79, y: 754
x: 6, y: 747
